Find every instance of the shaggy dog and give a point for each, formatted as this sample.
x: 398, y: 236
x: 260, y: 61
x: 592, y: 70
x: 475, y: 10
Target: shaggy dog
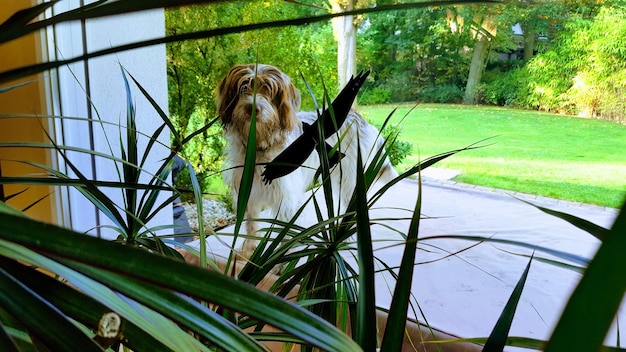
x: 275, y: 101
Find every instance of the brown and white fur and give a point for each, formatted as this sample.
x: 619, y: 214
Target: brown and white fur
x: 278, y: 123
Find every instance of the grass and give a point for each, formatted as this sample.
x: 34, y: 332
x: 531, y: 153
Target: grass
x: 570, y: 158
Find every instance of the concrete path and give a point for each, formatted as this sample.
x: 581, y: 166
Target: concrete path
x: 465, y: 293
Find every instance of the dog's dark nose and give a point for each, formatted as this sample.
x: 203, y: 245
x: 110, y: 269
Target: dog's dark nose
x: 257, y: 109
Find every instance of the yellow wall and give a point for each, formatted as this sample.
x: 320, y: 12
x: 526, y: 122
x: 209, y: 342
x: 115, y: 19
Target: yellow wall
x: 28, y: 99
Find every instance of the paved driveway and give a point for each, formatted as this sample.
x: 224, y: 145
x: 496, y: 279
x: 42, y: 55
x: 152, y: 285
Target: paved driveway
x: 464, y: 294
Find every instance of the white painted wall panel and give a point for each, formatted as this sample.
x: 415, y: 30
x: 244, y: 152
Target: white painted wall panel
x: 106, y: 91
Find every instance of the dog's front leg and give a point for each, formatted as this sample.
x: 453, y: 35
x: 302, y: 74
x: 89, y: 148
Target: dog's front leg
x: 250, y: 244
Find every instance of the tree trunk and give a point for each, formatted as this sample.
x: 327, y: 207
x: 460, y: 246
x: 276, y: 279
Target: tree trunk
x: 477, y: 66
x: 529, y: 42
x: 345, y: 34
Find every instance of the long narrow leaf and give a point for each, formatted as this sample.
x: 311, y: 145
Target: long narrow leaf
x: 151, y: 142
x: 86, y: 120
x: 421, y: 166
x: 158, y: 270
x: 158, y: 109
x: 22, y: 17
x: 148, y: 207
x: 55, y: 331
x: 597, y: 231
x: 200, y: 130
x: 78, y: 305
x: 90, y: 191
x: 7, y: 209
x: 366, y: 331
x: 324, y: 169
x: 185, y: 311
x: 556, y: 263
x: 247, y: 176
x: 131, y: 170
x: 500, y: 333
x: 107, y: 156
x: 394, y: 331
x: 52, y: 180
x: 13, y: 86
x: 199, y: 210
x: 93, y: 10
x: 595, y: 301
x: 153, y: 323
x: 6, y: 341
x: 581, y: 261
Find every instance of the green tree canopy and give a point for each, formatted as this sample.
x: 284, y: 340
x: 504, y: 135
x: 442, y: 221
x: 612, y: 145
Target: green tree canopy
x: 582, y: 74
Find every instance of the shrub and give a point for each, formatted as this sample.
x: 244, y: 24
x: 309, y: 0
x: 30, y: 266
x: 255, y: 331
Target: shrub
x: 548, y: 81
x: 205, y: 152
x: 601, y: 97
x: 584, y: 73
x: 506, y: 90
x: 401, y: 87
x: 398, y: 150
x: 446, y: 93
x: 598, y: 86
x: 375, y: 95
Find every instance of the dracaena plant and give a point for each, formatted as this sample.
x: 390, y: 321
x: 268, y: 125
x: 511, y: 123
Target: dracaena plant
x: 317, y: 262
x: 141, y: 200
x: 104, y: 300
x: 116, y: 294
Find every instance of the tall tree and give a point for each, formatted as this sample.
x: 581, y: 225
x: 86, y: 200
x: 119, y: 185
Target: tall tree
x: 547, y: 19
x: 412, y: 50
x: 484, y: 30
x: 344, y: 29
x: 537, y: 20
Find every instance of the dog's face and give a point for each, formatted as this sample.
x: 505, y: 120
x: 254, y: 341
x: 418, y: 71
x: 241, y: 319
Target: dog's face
x: 267, y: 91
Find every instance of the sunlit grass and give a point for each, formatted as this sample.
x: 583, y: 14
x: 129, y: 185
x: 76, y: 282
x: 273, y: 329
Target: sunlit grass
x: 569, y: 158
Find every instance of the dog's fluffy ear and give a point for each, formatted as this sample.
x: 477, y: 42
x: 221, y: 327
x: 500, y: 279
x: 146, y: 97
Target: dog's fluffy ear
x: 226, y: 93
x: 288, y: 103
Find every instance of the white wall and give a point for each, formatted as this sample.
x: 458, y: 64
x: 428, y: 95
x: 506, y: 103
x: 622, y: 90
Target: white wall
x: 100, y: 82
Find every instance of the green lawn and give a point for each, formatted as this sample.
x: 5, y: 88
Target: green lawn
x: 570, y: 158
